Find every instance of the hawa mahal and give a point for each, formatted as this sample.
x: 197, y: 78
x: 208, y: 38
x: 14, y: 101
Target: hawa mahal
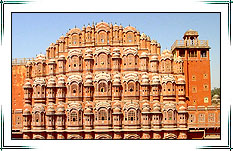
x: 107, y: 81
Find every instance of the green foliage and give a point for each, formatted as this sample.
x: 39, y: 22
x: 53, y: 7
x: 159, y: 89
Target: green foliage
x: 215, y: 91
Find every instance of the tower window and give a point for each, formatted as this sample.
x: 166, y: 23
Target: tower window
x: 193, y: 78
x: 203, y: 53
x: 194, y: 89
x: 205, y: 76
x: 182, y: 53
x: 193, y: 53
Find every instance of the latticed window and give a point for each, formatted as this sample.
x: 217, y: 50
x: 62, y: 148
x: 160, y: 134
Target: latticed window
x: 102, y: 87
x: 131, y: 115
x: 131, y: 87
x: 74, y: 39
x: 170, y: 115
x: 130, y: 59
x: 79, y: 116
x: 102, y: 38
x: 37, y: 117
x: 102, y: 115
x: 74, y: 88
x: 73, y: 116
x: 130, y: 37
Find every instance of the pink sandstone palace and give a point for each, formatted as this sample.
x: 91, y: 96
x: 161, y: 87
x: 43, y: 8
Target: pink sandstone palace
x: 106, y: 81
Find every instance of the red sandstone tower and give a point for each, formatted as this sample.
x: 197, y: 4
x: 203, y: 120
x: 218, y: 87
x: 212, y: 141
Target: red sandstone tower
x: 195, y: 54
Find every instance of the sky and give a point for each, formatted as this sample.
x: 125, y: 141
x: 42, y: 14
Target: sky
x: 32, y: 33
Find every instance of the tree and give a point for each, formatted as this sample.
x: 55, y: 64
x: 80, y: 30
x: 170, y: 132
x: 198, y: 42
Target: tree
x: 215, y: 91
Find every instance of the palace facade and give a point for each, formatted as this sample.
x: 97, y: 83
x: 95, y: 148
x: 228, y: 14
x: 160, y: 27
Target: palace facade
x: 110, y: 82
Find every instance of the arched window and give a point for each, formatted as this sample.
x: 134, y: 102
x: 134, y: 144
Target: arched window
x: 131, y: 59
x: 102, y: 115
x: 75, y: 61
x: 73, y: 116
x: 74, y: 40
x: 37, y: 115
x: 102, y: 37
x: 131, y: 87
x: 74, y: 89
x: 130, y: 37
x: 102, y: 87
x: 170, y: 115
x: 131, y: 115
x: 102, y: 60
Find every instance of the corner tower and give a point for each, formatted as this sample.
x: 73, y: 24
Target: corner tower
x: 195, y: 54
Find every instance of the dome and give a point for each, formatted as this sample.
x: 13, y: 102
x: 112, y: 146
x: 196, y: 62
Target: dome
x: 143, y: 36
x: 156, y: 107
x: 88, y: 109
x: 155, y: 80
x: 154, y: 58
x: 117, y: 76
x: 147, y: 38
x: 129, y: 28
x: 74, y: 31
x: 146, y: 107
x: 166, y: 54
x: 179, y: 60
x: 145, y: 79
x: 182, y: 108
x: 26, y: 112
x: 88, y: 82
x: 88, y: 28
x: 50, y: 110
x: 181, y: 81
x: 190, y: 32
x: 61, y: 82
x: 60, y: 109
x: 89, y: 51
x: 39, y: 81
x: 117, y: 79
x: 117, y: 107
x: 51, y: 82
x: 27, y: 85
x: 167, y: 78
x: 52, y: 61
x: 40, y: 57
x: 88, y: 76
x: 145, y: 76
x: 61, y: 39
x: 153, y: 42
x: 61, y: 57
x: 29, y: 63
x: 116, y: 82
x: 116, y: 55
x: 143, y: 55
x: 120, y: 27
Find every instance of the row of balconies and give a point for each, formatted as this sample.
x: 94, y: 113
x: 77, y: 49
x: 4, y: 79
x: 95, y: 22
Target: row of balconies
x: 117, y: 121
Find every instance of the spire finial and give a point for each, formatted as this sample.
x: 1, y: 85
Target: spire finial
x: 75, y: 26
